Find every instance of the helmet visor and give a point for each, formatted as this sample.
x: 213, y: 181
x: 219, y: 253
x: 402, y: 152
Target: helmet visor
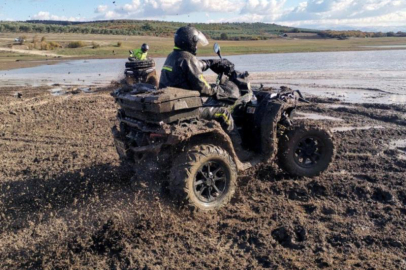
x: 202, y: 40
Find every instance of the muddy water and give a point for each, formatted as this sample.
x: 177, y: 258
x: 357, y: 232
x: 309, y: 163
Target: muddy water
x: 369, y: 76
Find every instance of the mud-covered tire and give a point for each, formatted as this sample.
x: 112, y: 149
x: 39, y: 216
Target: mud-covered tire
x: 140, y: 64
x: 306, y: 151
x: 152, y: 79
x: 189, y: 175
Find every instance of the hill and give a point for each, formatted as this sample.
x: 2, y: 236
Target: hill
x: 232, y: 31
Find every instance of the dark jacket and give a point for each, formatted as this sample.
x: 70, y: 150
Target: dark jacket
x: 182, y: 69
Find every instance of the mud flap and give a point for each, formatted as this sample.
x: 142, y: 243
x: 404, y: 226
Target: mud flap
x: 121, y: 147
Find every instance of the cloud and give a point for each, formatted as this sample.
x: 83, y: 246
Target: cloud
x: 319, y: 14
x: 44, y: 15
x: 133, y: 7
x: 101, y: 9
x: 391, y: 21
x: 343, y: 9
x: 159, y: 8
x: 323, y: 14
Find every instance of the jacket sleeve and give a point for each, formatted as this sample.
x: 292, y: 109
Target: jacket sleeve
x: 193, y: 70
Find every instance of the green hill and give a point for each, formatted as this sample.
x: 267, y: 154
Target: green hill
x: 231, y: 31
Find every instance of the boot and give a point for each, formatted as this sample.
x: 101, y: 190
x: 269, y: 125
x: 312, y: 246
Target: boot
x: 242, y: 154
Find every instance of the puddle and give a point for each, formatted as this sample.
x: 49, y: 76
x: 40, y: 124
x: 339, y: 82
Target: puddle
x: 335, y: 106
x: 58, y: 91
x: 343, y: 129
x: 315, y: 116
x: 385, y: 46
x: 87, y: 90
x: 398, y: 144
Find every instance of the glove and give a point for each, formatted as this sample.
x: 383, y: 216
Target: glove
x: 206, y: 64
x: 219, y: 65
x: 210, y: 62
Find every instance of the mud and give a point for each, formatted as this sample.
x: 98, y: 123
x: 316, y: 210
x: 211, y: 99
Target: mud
x: 65, y: 201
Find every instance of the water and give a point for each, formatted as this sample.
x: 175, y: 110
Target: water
x: 372, y: 76
x: 385, y: 46
x: 315, y: 116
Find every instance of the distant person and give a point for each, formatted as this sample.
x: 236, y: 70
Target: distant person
x: 142, y: 53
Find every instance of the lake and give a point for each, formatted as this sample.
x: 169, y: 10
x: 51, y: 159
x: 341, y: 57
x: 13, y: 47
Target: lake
x: 381, y: 71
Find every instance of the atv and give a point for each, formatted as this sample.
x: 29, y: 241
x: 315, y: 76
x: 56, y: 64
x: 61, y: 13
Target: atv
x: 140, y: 71
x: 159, y: 134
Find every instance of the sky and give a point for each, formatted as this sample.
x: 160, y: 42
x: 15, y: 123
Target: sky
x: 370, y: 15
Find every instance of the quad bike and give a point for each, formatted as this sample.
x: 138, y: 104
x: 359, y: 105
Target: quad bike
x: 140, y: 71
x: 161, y: 136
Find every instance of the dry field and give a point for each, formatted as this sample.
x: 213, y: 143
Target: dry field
x: 65, y: 202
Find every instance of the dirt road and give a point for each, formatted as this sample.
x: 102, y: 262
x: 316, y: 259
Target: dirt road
x: 65, y: 200
x: 32, y: 52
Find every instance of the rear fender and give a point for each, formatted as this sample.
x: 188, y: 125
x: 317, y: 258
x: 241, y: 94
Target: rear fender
x: 204, y: 133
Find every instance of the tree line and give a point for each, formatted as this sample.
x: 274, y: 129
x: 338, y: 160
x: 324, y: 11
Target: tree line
x: 224, y: 31
x: 236, y: 31
x: 359, y: 34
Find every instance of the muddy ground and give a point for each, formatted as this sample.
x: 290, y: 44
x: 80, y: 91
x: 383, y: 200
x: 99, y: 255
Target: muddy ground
x: 65, y: 202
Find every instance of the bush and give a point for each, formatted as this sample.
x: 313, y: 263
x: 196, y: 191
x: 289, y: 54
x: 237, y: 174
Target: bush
x: 31, y: 46
x: 95, y: 45
x: 35, y: 39
x: 44, y: 46
x: 119, y: 44
x: 76, y: 44
x: 43, y: 39
x: 54, y: 45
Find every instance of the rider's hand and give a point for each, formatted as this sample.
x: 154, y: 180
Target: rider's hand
x: 225, y: 62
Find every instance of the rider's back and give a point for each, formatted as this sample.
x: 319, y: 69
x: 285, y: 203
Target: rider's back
x: 172, y: 74
x: 183, y: 70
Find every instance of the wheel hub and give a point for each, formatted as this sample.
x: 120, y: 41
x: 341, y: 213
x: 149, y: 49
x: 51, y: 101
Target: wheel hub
x: 308, y: 152
x: 210, y: 182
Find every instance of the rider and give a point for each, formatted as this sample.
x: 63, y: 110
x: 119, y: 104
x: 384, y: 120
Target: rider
x: 142, y: 53
x: 182, y: 69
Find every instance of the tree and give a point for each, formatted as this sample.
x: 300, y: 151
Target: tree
x: 147, y: 27
x: 223, y: 36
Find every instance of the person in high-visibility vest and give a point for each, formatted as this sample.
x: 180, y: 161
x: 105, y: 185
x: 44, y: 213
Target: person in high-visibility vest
x: 142, y: 53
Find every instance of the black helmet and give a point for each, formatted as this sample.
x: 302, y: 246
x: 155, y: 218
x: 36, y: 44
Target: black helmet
x: 144, y: 47
x: 187, y: 38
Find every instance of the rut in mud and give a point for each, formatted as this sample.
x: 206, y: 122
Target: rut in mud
x: 65, y: 200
